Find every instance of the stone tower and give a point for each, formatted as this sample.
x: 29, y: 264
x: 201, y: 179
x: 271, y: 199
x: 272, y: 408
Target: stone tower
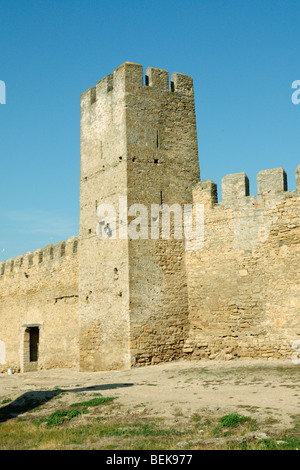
x: 138, y: 143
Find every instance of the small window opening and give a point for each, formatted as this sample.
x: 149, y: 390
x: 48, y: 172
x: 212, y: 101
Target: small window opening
x: 146, y: 80
x: 157, y: 139
x: 172, y: 87
x: 155, y: 160
x: 161, y: 198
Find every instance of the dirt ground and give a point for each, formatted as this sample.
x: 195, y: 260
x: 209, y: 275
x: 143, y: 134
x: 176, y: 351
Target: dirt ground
x: 172, y: 391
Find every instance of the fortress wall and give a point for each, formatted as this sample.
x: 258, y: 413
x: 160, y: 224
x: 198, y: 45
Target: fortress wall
x: 40, y: 290
x: 138, y: 300
x: 243, y: 284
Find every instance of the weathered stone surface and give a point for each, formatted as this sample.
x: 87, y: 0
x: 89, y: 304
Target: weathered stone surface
x: 137, y: 141
x: 122, y: 301
x: 40, y: 290
x: 244, y: 283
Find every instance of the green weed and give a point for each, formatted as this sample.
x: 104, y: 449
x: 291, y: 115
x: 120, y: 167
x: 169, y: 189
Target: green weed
x: 6, y: 400
x: 59, y: 417
x: 232, y: 420
x: 94, y: 401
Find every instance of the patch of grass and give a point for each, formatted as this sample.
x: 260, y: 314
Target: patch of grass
x: 200, y: 421
x: 269, y: 444
x: 145, y: 430
x: 94, y: 401
x: 6, y: 400
x: 59, y: 417
x: 232, y: 420
x: 130, y: 433
x: 227, y: 424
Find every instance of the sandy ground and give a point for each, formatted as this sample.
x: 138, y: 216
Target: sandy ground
x: 173, y: 391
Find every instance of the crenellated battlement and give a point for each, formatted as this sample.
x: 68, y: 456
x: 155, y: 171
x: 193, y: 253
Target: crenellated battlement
x: 40, y: 257
x: 271, y: 184
x: 243, y: 279
x: 129, y: 77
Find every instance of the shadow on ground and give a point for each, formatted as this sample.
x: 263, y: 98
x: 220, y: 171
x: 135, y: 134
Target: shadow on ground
x: 30, y: 400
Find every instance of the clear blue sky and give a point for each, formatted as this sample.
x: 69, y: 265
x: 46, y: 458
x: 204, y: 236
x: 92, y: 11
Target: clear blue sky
x: 242, y: 54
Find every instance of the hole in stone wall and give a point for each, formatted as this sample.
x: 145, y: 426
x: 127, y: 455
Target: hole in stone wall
x: 87, y: 298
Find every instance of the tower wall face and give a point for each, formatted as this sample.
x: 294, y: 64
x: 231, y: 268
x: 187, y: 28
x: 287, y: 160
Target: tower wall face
x: 103, y: 264
x: 162, y: 167
x: 138, y: 141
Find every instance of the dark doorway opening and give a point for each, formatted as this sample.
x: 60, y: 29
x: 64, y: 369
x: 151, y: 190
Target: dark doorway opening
x: 34, y: 337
